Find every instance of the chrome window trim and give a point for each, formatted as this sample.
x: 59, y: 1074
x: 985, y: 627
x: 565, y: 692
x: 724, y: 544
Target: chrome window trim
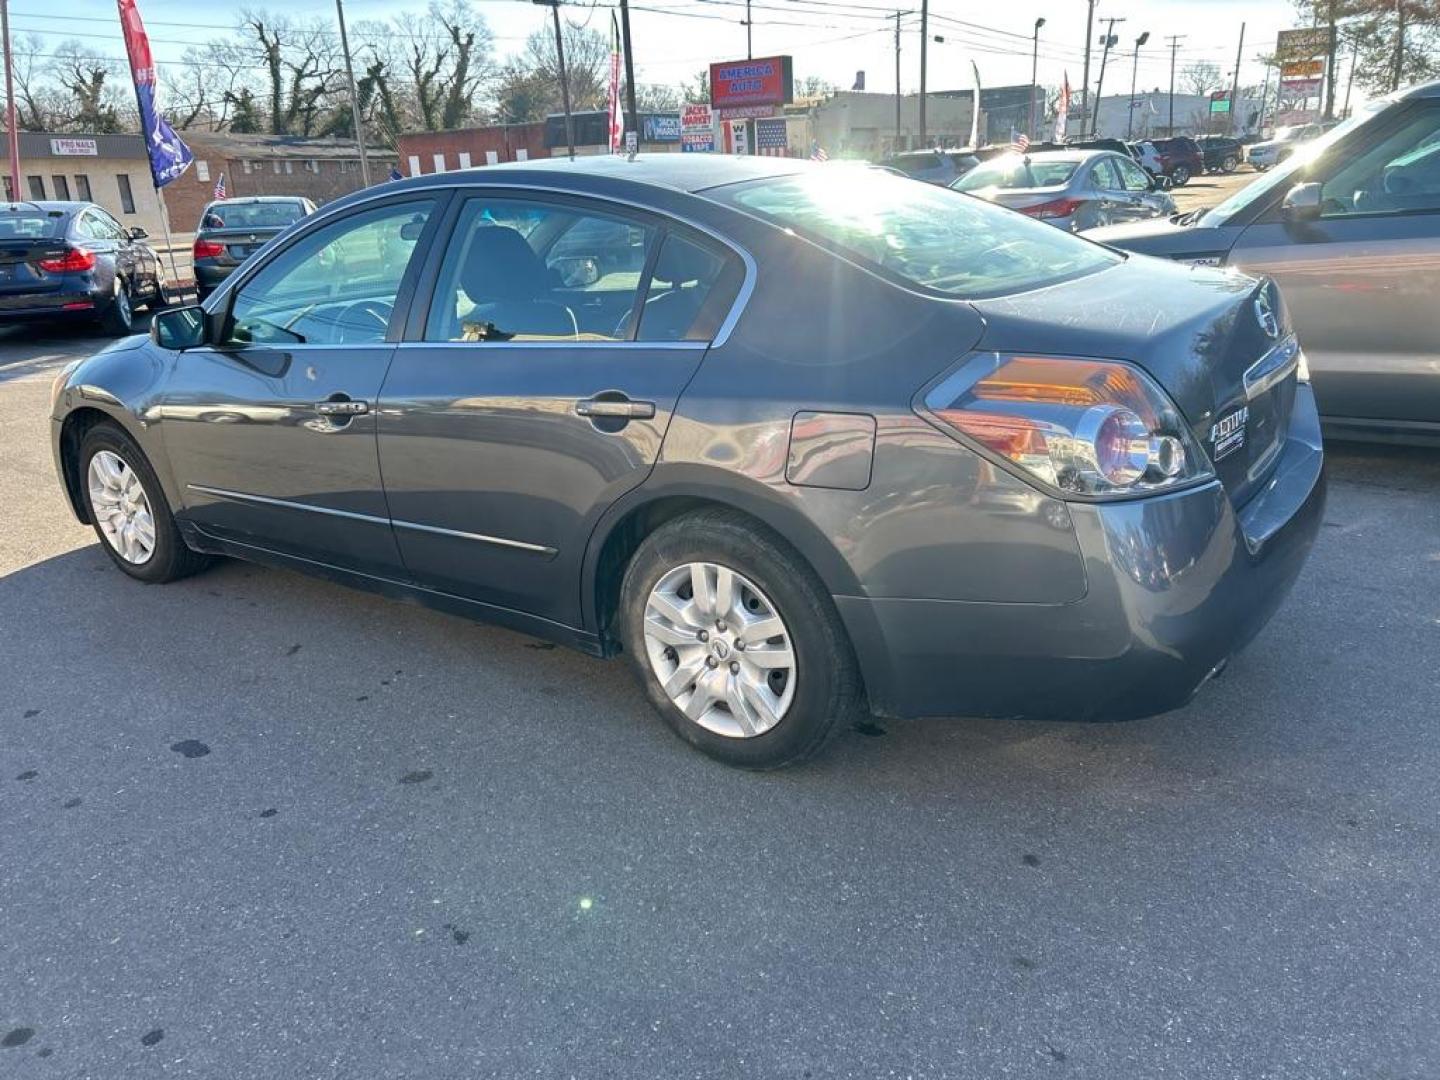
x: 679, y: 346
x: 469, y: 183
x: 371, y: 519
x: 1274, y: 367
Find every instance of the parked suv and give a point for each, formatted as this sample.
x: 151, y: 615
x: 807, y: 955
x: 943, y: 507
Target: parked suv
x: 1221, y: 152
x: 1180, y: 159
x: 1350, y: 228
x: 1281, y: 145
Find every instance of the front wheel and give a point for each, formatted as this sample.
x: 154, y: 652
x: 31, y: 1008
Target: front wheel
x: 128, y: 509
x: 736, y: 641
x: 1180, y: 175
x: 1230, y: 164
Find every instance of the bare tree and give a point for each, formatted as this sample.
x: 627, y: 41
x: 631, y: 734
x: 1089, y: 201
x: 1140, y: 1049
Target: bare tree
x: 93, y: 104
x: 529, y: 85
x: 1201, y: 77
x: 39, y: 101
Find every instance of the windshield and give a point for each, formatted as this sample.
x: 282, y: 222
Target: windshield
x: 32, y: 225
x: 927, y: 236
x: 1011, y: 172
x: 1284, y: 173
x: 266, y: 215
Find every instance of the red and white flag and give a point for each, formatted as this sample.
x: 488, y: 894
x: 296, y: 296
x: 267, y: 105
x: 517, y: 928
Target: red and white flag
x: 1020, y: 143
x: 617, y: 117
x: 1062, y: 110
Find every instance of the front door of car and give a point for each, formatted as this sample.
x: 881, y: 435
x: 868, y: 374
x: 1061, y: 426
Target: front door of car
x: 1144, y: 200
x: 1362, y: 279
x: 1116, y: 204
x: 537, y: 388
x: 270, y: 431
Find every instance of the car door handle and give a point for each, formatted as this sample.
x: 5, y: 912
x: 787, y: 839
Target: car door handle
x: 629, y: 410
x: 345, y: 407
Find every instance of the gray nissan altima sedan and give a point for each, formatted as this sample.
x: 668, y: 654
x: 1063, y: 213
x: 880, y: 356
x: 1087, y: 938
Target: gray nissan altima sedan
x: 799, y: 440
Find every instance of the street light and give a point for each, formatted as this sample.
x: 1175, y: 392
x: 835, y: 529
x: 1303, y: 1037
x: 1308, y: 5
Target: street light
x: 1134, y: 67
x: 1034, y: 71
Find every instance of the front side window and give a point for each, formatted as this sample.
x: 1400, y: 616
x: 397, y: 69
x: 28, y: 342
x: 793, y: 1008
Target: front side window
x: 1399, y: 173
x: 1105, y: 176
x: 336, y: 286
x: 517, y: 270
x: 923, y: 235
x: 1132, y: 176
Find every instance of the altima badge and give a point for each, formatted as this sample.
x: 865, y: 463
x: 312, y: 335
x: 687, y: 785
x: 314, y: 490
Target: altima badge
x: 1228, y: 433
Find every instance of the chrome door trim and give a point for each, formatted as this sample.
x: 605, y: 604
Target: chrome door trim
x: 678, y: 346
x: 371, y: 519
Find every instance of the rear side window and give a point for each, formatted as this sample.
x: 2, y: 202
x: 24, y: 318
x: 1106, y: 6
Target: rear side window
x: 1013, y: 171
x: 31, y: 226
x: 922, y: 235
x: 691, y: 291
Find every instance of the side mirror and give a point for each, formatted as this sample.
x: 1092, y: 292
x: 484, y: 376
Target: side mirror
x: 577, y: 273
x: 137, y: 233
x: 1302, y: 203
x: 179, y: 328
x: 1162, y: 183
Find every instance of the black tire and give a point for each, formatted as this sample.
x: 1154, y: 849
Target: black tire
x: 827, y: 688
x: 170, y: 559
x: 118, y: 318
x: 1229, y: 164
x: 1180, y: 175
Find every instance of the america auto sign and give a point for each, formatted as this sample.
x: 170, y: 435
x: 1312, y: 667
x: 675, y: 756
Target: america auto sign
x: 766, y: 81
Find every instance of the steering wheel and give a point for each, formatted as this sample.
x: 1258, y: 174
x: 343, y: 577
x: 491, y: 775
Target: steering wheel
x: 356, y: 319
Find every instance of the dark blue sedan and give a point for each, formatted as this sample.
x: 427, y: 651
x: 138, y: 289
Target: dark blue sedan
x: 69, y: 260
x: 799, y: 440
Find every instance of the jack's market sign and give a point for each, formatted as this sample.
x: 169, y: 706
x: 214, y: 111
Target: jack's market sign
x: 766, y: 81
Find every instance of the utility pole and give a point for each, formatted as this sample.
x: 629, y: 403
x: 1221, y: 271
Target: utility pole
x: 1034, y: 72
x: 1265, y: 94
x: 749, y: 45
x: 554, y: 6
x: 1354, y: 59
x: 1330, y: 45
x: 630, y: 65
x: 924, y: 40
x: 1134, y: 70
x: 1235, y: 82
x: 897, y: 17
x: 1085, y: 78
x: 354, y: 94
x: 1174, y: 40
x: 1110, y: 39
x: 12, y: 129
x: 1399, y: 73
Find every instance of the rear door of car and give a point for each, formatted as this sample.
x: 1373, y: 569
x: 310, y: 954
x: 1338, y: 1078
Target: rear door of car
x: 270, y: 432
x: 538, y: 385
x: 1362, y: 281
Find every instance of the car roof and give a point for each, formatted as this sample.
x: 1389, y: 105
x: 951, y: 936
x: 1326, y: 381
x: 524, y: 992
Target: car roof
x: 70, y: 207
x: 678, y: 172
x: 1422, y: 90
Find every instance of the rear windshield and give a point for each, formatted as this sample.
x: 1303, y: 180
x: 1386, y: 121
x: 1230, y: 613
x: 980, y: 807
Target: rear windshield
x: 268, y: 215
x: 927, y: 236
x: 30, y: 225
x: 1012, y: 171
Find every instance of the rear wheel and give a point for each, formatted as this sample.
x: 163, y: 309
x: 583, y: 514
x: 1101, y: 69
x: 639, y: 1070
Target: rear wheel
x: 128, y: 509
x: 1180, y: 175
x: 1229, y: 164
x: 119, y: 317
x: 736, y: 642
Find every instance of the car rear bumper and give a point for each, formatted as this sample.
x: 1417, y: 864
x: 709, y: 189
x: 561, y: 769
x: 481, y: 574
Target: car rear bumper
x: 1177, y: 584
x: 210, y: 275
x: 57, y: 305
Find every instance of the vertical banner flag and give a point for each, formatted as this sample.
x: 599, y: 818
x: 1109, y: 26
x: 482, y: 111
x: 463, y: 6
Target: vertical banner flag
x: 1062, y: 110
x: 169, y: 156
x: 617, y: 118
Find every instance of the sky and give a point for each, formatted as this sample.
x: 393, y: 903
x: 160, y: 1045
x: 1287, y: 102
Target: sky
x: 673, y: 39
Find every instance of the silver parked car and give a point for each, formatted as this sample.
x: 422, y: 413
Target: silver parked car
x: 1071, y: 189
x: 1350, y: 228
x: 1281, y: 145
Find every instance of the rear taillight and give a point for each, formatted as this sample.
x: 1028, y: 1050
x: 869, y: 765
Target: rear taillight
x: 73, y: 261
x: 207, y: 249
x: 1084, y: 427
x: 1057, y: 208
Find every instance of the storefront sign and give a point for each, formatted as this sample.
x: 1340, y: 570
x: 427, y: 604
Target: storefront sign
x: 1302, y: 69
x: 766, y: 81
x: 661, y: 128
x: 74, y: 148
x: 697, y: 129
x: 1302, y: 44
x: 746, y: 112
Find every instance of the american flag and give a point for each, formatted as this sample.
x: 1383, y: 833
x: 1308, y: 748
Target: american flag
x: 1020, y: 143
x: 220, y: 186
x: 771, y: 138
x: 817, y: 152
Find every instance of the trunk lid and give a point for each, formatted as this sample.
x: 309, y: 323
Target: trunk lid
x: 19, y: 264
x: 240, y: 243
x: 1196, y: 331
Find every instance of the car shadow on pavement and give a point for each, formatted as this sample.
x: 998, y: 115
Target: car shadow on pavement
x: 31, y: 348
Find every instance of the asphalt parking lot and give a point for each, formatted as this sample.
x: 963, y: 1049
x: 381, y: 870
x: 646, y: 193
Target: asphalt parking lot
x: 254, y: 825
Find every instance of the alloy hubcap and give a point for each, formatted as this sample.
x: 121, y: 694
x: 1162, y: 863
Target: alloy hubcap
x: 120, y: 506
x: 720, y: 650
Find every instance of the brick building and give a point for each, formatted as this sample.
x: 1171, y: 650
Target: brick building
x: 317, y: 169
x: 462, y: 148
